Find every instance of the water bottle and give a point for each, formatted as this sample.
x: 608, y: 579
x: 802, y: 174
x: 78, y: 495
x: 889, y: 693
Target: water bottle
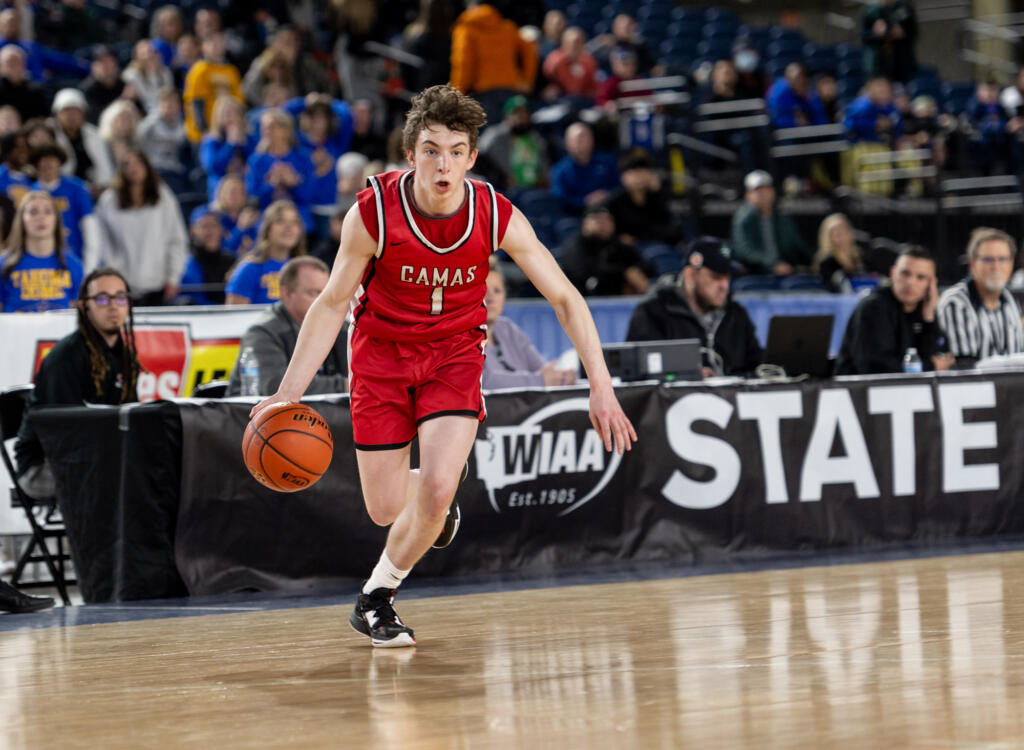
x: 249, y: 372
x: 912, y: 362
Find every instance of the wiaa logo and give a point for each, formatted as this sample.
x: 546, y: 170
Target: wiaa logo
x: 532, y: 464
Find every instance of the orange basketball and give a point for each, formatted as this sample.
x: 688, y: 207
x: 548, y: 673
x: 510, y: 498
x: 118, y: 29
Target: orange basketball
x: 287, y: 447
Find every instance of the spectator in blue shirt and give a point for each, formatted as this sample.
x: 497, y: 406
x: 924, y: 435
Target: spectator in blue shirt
x: 70, y: 194
x: 14, y: 183
x: 280, y: 169
x: 989, y: 140
x: 282, y: 237
x: 40, y: 61
x: 35, y: 273
x: 239, y: 214
x: 792, y: 102
x: 229, y: 144
x: 582, y: 177
x: 325, y: 130
x: 872, y: 117
x: 207, y: 268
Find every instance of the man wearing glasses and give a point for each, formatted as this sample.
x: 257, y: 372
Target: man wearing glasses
x: 97, y: 364
x: 979, y: 315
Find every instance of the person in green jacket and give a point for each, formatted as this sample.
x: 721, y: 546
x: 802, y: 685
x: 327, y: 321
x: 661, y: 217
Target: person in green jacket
x: 763, y: 239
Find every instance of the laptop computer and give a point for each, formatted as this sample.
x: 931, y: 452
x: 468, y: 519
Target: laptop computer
x: 670, y: 360
x: 799, y: 344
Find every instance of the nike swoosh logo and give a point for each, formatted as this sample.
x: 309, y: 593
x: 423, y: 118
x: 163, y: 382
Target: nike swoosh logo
x: 398, y: 243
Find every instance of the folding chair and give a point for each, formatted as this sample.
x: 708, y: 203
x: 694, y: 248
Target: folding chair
x: 45, y: 526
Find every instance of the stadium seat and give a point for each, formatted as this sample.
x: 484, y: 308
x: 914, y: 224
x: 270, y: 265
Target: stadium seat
x: 925, y: 87
x: 820, y: 59
x: 755, y: 284
x: 715, y: 48
x: 955, y: 95
x: 681, y: 13
x: 786, y: 34
x: 664, y: 258
x: 565, y: 229
x: 721, y: 15
x: 685, y: 27
x: 852, y: 54
x: 655, y: 12
x: 682, y: 49
x: 758, y: 37
x: 801, y: 282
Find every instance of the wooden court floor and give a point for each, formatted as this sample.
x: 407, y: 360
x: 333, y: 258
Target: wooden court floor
x: 922, y: 653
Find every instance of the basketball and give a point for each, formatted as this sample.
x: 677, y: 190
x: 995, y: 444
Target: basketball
x: 287, y: 447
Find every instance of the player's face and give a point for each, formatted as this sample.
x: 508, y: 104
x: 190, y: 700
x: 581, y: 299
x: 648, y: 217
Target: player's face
x: 993, y: 266
x: 441, y: 159
x: 495, y: 298
x: 107, y: 318
x: 40, y: 219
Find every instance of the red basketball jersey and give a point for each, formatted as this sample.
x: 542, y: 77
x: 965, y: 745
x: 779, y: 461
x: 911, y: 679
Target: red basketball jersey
x: 428, y: 278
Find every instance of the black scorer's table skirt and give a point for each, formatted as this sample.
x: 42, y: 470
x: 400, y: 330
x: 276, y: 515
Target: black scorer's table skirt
x: 158, y: 502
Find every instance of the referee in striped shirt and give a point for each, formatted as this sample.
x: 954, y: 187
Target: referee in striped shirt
x: 979, y: 315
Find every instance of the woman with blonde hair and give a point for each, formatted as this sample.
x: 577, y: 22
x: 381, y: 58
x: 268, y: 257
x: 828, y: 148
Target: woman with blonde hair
x: 280, y: 169
x: 119, y: 126
x: 35, y: 272
x: 239, y: 219
x: 281, y: 237
x: 225, y: 149
x: 147, y: 73
x: 838, y: 258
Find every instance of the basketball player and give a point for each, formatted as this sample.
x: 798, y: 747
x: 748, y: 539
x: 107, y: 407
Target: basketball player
x: 414, y: 256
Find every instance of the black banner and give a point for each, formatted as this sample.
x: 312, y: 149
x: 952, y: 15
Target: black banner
x: 118, y: 473
x: 718, y: 473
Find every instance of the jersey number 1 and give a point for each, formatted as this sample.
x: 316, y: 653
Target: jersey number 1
x: 436, y: 300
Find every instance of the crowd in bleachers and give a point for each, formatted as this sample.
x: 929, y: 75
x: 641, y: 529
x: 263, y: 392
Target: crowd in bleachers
x: 197, y: 147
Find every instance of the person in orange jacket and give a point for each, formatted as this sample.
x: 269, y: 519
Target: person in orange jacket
x: 490, y: 60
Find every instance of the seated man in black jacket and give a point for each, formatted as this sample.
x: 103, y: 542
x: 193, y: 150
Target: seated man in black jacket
x: 896, y: 317
x: 272, y: 337
x: 696, y: 305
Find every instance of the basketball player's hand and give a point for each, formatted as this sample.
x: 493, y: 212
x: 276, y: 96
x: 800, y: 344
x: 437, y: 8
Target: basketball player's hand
x: 610, y: 421
x: 275, y: 399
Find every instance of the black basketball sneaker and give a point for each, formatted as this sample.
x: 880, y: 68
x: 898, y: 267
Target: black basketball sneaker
x: 453, y: 519
x: 376, y: 618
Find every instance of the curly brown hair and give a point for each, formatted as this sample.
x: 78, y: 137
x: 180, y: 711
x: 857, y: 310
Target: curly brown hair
x: 443, y: 105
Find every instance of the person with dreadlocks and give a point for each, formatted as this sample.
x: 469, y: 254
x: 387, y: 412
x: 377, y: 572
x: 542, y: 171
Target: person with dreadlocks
x: 98, y: 363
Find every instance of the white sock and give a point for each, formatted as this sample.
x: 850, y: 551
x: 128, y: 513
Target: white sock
x: 385, y: 575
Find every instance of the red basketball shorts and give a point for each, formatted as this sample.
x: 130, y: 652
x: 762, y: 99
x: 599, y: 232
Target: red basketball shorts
x: 398, y: 385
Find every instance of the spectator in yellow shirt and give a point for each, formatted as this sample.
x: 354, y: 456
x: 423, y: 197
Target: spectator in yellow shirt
x: 208, y: 79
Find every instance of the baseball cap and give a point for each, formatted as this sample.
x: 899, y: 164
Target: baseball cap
x: 710, y: 253
x: 69, y: 98
x: 513, y: 103
x: 757, y: 178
